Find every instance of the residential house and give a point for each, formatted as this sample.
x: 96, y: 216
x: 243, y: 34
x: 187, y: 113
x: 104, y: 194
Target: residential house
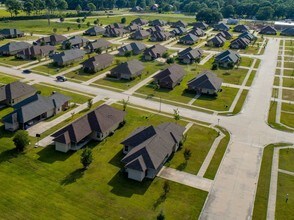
x: 34, y: 110
x: 36, y: 52
x: 139, y: 21
x: 268, y: 30
x: 179, y: 23
x: 221, y: 27
x: 170, y: 77
x: 198, y: 32
x: 200, y: 25
x: 140, y: 35
x: 225, y: 34
x: 95, y: 31
x: 136, y: 9
x: 241, y: 28
x: 205, y: 83
x: 227, y: 58
x: 13, y: 48
x: 160, y: 36
x: 157, y: 22
x: 178, y: 31
x: 97, y: 63
x: 15, y: 92
x: 100, y: 44
x: 52, y: 40
x: 68, y: 57
x: 127, y: 70
x: 154, y: 52
x: 96, y: 125
x: 232, y: 21
x: 74, y: 42
x: 155, y: 29
x: 288, y: 31
x: 148, y: 148
x: 11, y: 33
x: 134, y: 47
x: 239, y: 43
x: 190, y: 55
x: 188, y: 39
x: 154, y: 7
x: 247, y: 35
x: 216, y: 41
x: 114, y: 32
x: 132, y: 27
x: 115, y: 25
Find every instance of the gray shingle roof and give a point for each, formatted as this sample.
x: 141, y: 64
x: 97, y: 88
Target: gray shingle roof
x: 241, y: 28
x: 268, y: 29
x: 10, y: 32
x: 206, y: 80
x: 98, y: 60
x: 173, y: 73
x: 155, y: 49
x: 100, y: 43
x: 37, y: 50
x: 53, y: 39
x: 288, y: 31
x: 75, y: 40
x: 153, y: 144
x: 221, y: 27
x: 14, y: 46
x: 134, y: 46
x: 101, y: 120
x: 68, y: 55
x: 190, y: 53
x: 197, y: 31
x: 227, y: 55
x: 95, y: 30
x: 128, y: 68
x: 15, y: 90
x: 140, y: 33
x: 189, y: 37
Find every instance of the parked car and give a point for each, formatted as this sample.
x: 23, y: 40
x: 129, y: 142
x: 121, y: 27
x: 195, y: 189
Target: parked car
x: 61, y: 78
x: 26, y: 71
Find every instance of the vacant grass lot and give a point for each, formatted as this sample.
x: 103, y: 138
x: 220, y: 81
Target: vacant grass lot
x: 286, y: 159
x: 199, y: 141
x: 262, y: 193
x: 288, y: 72
x: 287, y: 107
x: 246, y: 61
x: 221, y: 102
x: 251, y: 78
x: 47, y: 91
x: 289, y: 65
x: 50, y: 184
x: 288, y: 82
x: 287, y: 119
x: 12, y: 61
x: 288, y: 94
x: 5, y: 79
x: 41, y: 26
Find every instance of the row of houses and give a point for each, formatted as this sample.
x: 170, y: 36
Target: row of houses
x: 10, y: 33
x: 29, y: 106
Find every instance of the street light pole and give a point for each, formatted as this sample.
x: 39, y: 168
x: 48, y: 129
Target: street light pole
x: 159, y: 104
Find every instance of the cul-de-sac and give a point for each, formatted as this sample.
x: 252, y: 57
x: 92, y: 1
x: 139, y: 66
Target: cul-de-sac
x: 146, y: 109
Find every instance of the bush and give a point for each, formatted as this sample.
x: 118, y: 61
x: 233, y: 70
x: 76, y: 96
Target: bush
x: 21, y: 140
x: 86, y: 157
x: 170, y: 60
x: 214, y: 66
x: 165, y: 55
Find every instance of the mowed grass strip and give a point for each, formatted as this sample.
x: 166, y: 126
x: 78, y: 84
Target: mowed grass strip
x: 47, y: 91
x: 12, y: 61
x: 286, y: 159
x: 50, y: 184
x: 199, y: 141
x: 287, y: 119
x: 288, y: 95
x: 218, y: 155
x: 263, y: 186
x: 6, y: 79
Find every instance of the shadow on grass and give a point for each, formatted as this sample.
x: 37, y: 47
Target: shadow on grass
x: 124, y: 187
x: 115, y: 161
x: 182, y: 166
x: 50, y: 155
x: 160, y: 200
x: 73, y: 176
x: 9, y: 154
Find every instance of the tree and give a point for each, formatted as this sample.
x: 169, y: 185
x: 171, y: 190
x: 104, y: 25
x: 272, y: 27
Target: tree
x: 123, y: 20
x: 210, y: 16
x: 54, y: 30
x: 98, y: 50
x: 79, y: 26
x: 125, y: 103
x: 141, y: 3
x: 21, y: 140
x: 96, y: 21
x: 88, y: 24
x: 177, y: 116
x: 187, y: 154
x: 90, y: 103
x: 86, y: 157
x: 133, y: 3
x: 128, y: 53
x: 50, y: 6
x: 91, y: 7
x: 13, y: 6
x: 78, y: 20
x: 68, y: 28
x: 228, y: 11
x: 28, y: 7
x: 265, y: 13
x: 166, y: 188
x: 78, y: 9
x: 61, y: 5
x: 170, y: 60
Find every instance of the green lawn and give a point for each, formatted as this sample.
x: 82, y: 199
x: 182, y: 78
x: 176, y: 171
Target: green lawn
x: 150, y: 68
x: 257, y: 63
x: 288, y: 82
x: 289, y: 65
x: 221, y: 102
x: 218, y: 155
x: 246, y: 61
x: 5, y: 79
x: 12, y: 61
x: 251, y: 78
x: 240, y: 102
x: 199, y: 141
x: 47, y: 91
x: 288, y: 94
x: 289, y: 72
x: 50, y: 184
x: 287, y: 107
x: 261, y: 198
x: 277, y: 81
x: 286, y: 159
x: 285, y: 185
x: 287, y: 119
x: 41, y: 26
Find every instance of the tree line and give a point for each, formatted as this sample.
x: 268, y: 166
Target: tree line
x: 250, y: 9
